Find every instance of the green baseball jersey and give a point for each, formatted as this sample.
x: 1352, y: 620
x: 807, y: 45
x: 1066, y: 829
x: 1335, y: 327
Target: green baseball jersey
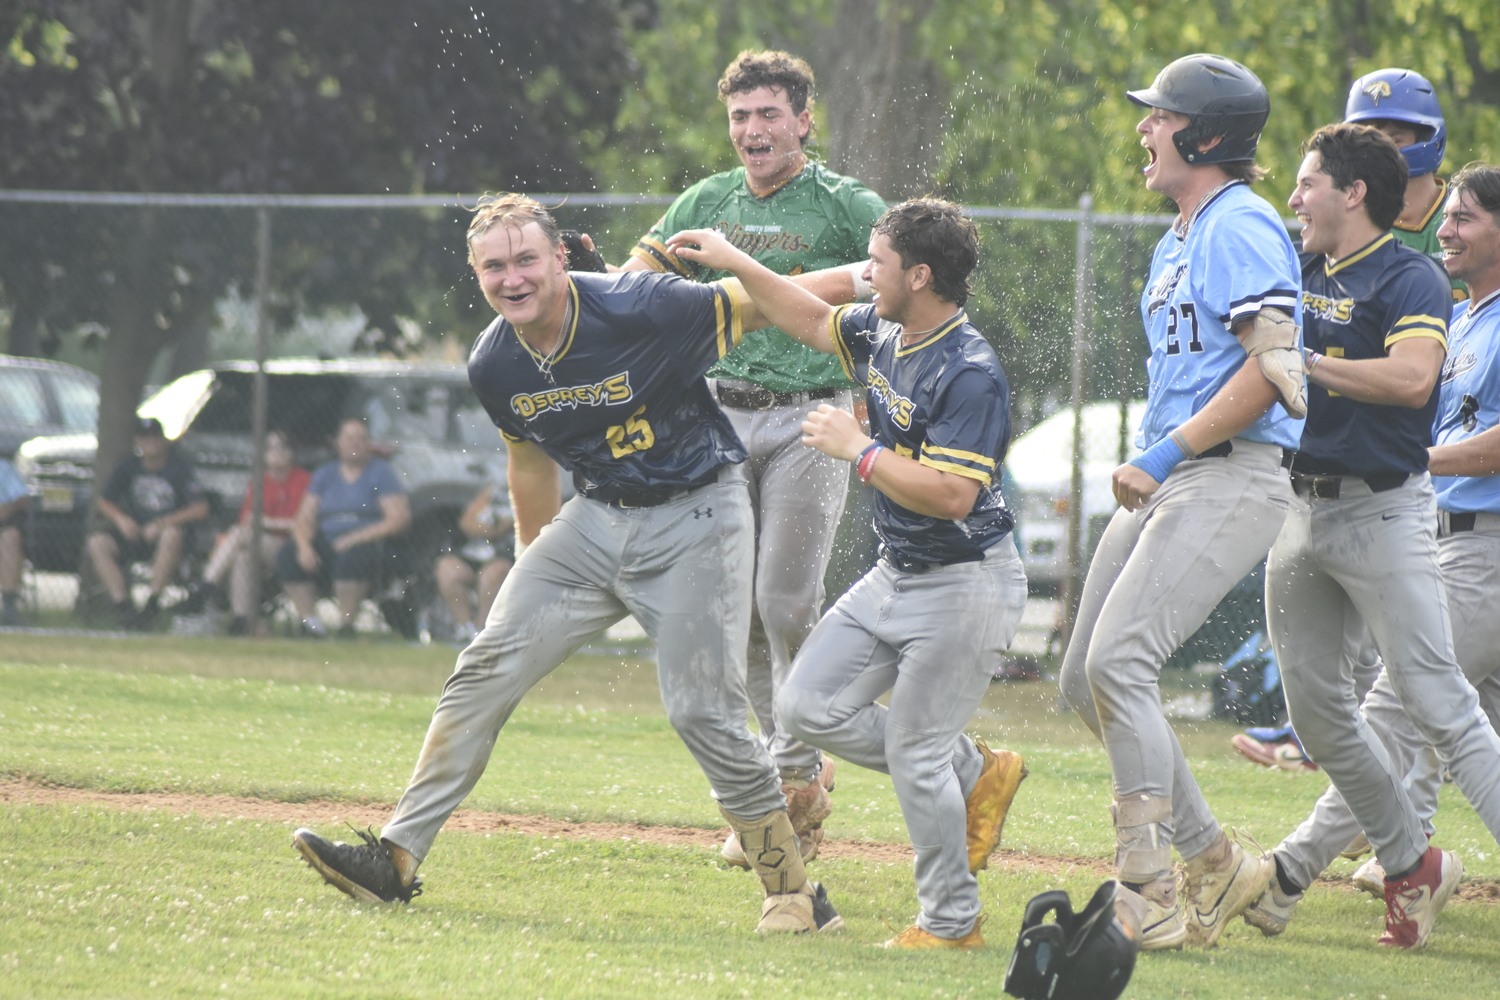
x: 1424, y: 239
x: 818, y: 219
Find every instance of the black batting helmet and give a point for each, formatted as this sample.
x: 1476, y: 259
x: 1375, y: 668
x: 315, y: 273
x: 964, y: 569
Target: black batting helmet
x: 1220, y: 96
x: 1089, y: 956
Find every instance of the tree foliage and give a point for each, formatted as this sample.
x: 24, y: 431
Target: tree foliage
x: 277, y: 96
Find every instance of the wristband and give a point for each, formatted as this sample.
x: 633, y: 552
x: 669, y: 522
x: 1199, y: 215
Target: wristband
x: 865, y: 465
x: 1160, y: 459
x: 1310, y: 358
x: 862, y: 287
x: 1181, y: 440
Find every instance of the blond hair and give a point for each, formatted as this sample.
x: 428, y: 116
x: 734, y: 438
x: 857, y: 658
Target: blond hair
x: 513, y: 210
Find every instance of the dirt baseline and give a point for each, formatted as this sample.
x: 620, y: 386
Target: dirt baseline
x: 323, y: 814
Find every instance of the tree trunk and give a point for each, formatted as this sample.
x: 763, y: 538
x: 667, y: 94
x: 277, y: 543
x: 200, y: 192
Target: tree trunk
x: 885, y: 102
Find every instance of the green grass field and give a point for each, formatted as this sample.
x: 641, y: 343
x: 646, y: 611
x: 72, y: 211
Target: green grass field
x: 97, y: 900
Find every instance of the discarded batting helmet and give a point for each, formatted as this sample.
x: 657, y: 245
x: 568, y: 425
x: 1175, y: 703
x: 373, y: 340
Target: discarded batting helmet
x: 1089, y: 956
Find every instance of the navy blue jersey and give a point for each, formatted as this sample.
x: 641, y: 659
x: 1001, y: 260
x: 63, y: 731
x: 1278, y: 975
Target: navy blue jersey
x: 1357, y: 309
x: 943, y: 401
x: 622, y: 403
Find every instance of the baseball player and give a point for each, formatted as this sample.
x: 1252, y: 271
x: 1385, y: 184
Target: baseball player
x: 793, y: 215
x: 1404, y: 106
x: 603, y: 374
x: 1358, y: 549
x: 1465, y: 463
x: 1203, y: 502
x: 930, y: 621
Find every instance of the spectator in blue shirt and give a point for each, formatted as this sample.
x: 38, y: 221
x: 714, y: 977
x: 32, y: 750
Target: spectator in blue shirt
x: 15, y: 500
x: 352, y: 505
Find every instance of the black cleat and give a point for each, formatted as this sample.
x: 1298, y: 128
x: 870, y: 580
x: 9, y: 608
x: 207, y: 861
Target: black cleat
x: 365, y: 872
x: 824, y: 915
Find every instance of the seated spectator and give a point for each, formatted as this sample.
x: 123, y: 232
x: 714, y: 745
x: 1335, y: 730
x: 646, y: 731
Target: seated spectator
x: 351, y: 506
x: 282, y: 489
x: 15, y: 501
x: 150, y: 500
x: 489, y: 554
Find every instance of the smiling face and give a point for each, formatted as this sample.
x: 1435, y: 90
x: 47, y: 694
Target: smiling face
x: 1320, y: 207
x: 767, y: 135
x: 1470, y: 238
x: 524, y: 278
x: 888, y: 279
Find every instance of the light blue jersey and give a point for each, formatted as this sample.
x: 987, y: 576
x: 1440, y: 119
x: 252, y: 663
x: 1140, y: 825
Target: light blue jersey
x: 1235, y: 260
x: 1469, y: 401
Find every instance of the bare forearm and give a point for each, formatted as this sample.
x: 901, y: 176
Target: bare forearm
x: 535, y: 493
x: 1475, y: 456
x: 788, y: 304
x: 1242, y: 401
x: 923, y: 489
x: 1404, y: 377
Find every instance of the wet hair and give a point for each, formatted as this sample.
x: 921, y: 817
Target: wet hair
x: 934, y: 232
x: 1242, y: 170
x: 1349, y: 153
x: 513, y: 210
x: 752, y: 70
x: 1482, y: 183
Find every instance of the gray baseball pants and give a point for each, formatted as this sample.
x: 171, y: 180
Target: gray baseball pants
x: 1371, y: 559
x: 683, y: 570
x: 1156, y: 576
x: 1469, y: 563
x: 797, y: 494
x: 933, y: 640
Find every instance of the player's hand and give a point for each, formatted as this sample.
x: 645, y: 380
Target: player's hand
x: 582, y: 254
x: 152, y: 531
x: 707, y: 247
x: 834, y: 432
x: 344, y: 543
x: 1133, y: 486
x: 307, y: 558
x: 129, y: 528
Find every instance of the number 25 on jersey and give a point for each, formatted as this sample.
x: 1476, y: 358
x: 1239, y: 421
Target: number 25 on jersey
x: 633, y: 435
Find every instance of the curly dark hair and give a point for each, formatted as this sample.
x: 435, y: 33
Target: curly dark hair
x: 934, y: 232
x: 1350, y: 153
x: 1482, y: 182
x: 777, y: 70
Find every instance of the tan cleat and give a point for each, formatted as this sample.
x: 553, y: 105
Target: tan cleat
x: 807, y: 911
x: 916, y: 939
x: 1222, y: 883
x: 989, y: 802
x: 1158, y: 913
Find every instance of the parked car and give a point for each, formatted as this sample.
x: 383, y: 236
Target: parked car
x: 423, y: 416
x: 1041, y: 462
x: 44, y: 397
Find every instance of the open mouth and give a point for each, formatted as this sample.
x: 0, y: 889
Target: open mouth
x: 1450, y: 252
x: 1150, y: 159
x: 757, y: 151
x: 516, y: 300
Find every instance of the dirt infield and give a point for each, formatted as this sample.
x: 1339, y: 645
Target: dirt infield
x: 324, y: 814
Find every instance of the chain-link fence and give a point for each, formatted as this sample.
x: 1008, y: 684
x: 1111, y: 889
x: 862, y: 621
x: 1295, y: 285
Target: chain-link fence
x: 364, y: 307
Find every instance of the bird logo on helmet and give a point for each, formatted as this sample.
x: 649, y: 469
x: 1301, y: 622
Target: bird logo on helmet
x: 1221, y: 98
x: 1403, y: 96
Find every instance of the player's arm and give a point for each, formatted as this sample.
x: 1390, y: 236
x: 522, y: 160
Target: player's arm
x: 1241, y: 401
x: 535, y: 488
x: 776, y: 300
x: 1475, y: 456
x: 1404, y: 377
x: 123, y: 521
x: 915, y: 486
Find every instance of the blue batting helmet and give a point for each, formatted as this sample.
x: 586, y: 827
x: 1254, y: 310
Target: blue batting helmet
x: 1403, y: 96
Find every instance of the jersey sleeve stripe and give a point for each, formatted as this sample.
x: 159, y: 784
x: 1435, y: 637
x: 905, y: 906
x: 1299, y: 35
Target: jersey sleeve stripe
x: 968, y: 456
x: 654, y: 253
x: 729, y: 317
x: 958, y: 470
x: 1276, y: 298
x: 510, y: 438
x: 841, y: 349
x: 1418, y: 331
x: 1424, y: 320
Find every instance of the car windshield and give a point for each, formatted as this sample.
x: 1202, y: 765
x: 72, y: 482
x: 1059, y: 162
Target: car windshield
x: 21, y: 399
x: 78, y: 399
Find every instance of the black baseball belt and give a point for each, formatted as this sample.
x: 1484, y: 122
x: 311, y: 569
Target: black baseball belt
x: 1311, y: 479
x: 748, y: 396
